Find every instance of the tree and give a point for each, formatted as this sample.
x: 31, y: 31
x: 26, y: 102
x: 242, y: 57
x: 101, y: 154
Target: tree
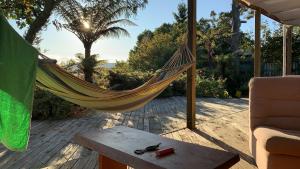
x: 36, y: 13
x: 32, y: 13
x: 181, y: 14
x: 154, y: 49
x: 236, y: 34
x: 92, y: 62
x: 122, y: 66
x: 207, y: 35
x: 91, y: 22
x: 146, y: 34
x: 212, y: 34
x: 152, y: 54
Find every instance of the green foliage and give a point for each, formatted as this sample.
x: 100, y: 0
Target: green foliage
x: 90, y: 65
x: 145, y: 35
x: 213, y: 38
x: 47, y: 105
x: 181, y: 16
x: 272, y: 51
x: 122, y: 66
x: 154, y: 49
x: 152, y: 54
x: 93, y: 65
x: 23, y: 12
x: 272, y: 47
x: 130, y: 7
x: 91, y: 21
x: 214, y: 49
x: 119, y: 80
x: 211, y: 87
x: 95, y: 20
x: 33, y: 14
x: 206, y: 87
x: 176, y: 88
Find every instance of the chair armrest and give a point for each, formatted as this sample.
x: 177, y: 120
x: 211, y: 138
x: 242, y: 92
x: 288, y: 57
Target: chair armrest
x: 278, y: 141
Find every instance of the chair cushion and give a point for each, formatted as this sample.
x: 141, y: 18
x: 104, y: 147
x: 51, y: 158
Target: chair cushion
x: 278, y: 141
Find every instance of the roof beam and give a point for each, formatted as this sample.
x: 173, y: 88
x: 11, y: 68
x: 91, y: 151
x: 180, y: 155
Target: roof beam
x: 264, y: 12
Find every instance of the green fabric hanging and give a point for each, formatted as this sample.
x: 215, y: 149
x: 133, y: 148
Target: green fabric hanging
x: 18, y: 62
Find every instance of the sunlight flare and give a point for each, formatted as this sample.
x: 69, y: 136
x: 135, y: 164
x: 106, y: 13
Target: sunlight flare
x: 86, y: 25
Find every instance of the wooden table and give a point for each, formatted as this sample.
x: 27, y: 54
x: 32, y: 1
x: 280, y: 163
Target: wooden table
x: 116, y: 151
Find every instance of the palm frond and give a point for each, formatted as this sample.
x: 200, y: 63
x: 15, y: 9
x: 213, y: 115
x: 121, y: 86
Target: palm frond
x: 115, y: 31
x: 104, y: 19
x: 121, y: 22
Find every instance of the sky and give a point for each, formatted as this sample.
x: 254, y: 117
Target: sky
x: 63, y: 45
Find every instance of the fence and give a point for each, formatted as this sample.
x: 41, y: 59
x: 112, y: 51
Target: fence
x: 275, y: 69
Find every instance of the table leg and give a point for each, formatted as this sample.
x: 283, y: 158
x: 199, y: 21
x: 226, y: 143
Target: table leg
x: 107, y: 163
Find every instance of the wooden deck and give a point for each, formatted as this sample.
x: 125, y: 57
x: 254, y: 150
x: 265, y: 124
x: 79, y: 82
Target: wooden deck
x: 222, y: 124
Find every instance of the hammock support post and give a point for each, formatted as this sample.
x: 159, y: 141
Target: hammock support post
x: 257, y: 50
x: 191, y: 73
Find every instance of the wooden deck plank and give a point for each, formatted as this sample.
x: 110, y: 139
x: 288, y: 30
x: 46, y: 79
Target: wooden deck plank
x: 34, y: 146
x: 219, y: 121
x: 59, y: 139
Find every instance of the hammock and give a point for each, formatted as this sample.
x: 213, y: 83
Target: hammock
x: 18, y: 60
x: 56, y: 80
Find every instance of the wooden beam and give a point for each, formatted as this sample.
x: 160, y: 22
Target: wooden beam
x: 287, y: 50
x: 264, y: 12
x: 191, y: 73
x: 257, y: 50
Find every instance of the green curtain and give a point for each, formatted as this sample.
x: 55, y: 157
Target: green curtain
x: 18, y: 62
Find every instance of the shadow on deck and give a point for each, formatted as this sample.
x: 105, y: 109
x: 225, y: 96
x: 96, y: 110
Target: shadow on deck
x: 221, y: 124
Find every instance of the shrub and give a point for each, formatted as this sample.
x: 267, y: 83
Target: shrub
x: 49, y: 106
x: 206, y: 86
x: 211, y: 87
x: 168, y: 92
x: 119, y: 80
x: 179, y: 86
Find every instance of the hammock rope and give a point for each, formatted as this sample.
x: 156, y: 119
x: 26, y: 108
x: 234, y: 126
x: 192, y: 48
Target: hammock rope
x: 56, y: 80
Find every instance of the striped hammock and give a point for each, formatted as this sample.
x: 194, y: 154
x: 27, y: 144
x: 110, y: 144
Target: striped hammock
x: 18, y: 67
x: 54, y: 79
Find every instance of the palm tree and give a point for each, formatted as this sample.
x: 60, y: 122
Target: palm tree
x: 93, y: 21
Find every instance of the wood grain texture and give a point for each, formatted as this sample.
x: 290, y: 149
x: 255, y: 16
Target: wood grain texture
x: 191, y: 72
x: 223, y: 125
x: 118, y: 143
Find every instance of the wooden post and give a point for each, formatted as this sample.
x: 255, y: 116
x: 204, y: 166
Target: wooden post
x: 287, y: 50
x: 257, y: 50
x: 191, y: 73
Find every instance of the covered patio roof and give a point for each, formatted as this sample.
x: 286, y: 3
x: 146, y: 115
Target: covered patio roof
x: 283, y: 11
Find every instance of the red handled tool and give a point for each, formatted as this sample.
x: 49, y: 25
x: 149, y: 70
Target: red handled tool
x: 164, y: 152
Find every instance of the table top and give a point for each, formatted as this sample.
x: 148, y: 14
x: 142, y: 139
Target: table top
x: 118, y: 143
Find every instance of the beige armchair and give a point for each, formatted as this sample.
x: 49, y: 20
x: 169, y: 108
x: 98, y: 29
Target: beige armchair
x: 275, y: 122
